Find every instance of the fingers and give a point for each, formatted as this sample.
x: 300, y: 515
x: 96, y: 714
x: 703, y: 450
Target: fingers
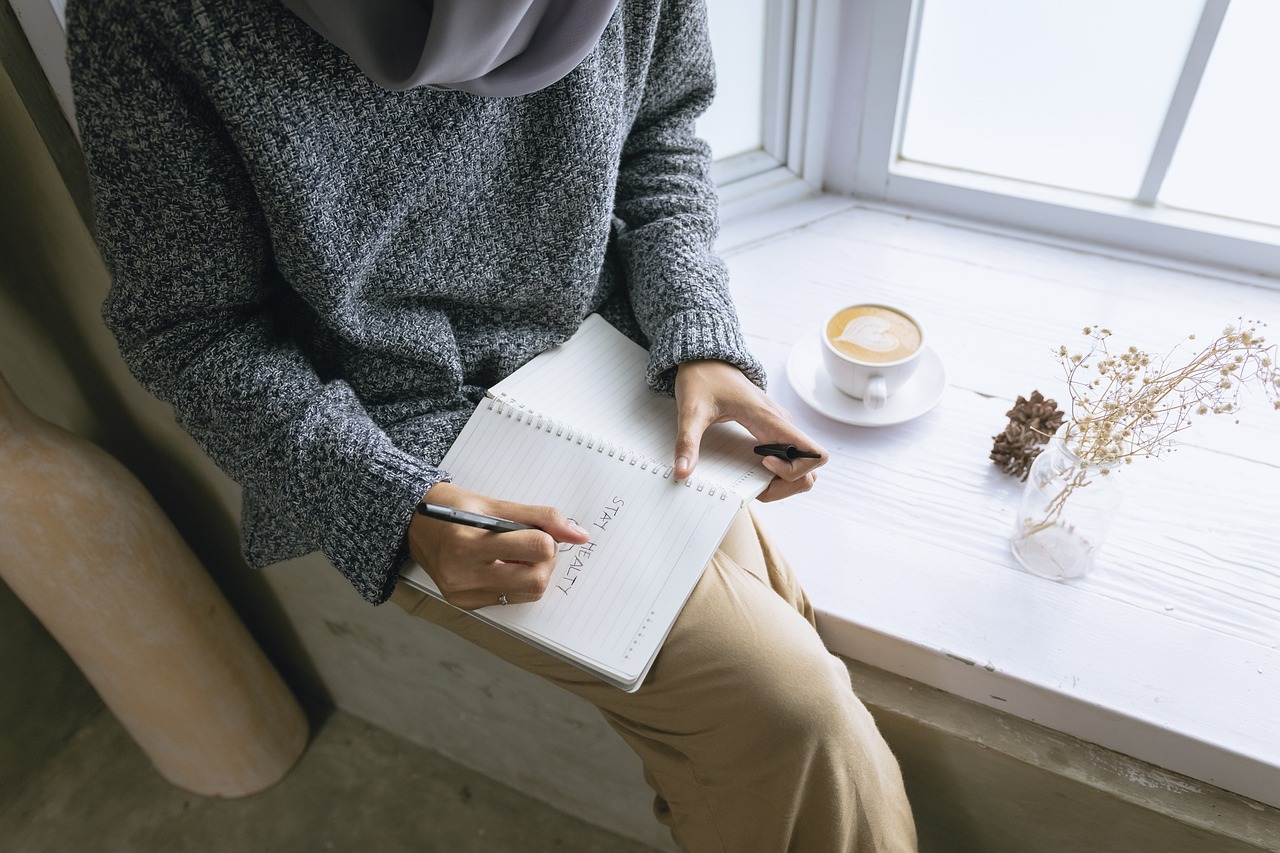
x: 478, y: 568
x: 709, y: 392
x: 796, y: 476
x: 547, y: 519
x: 780, y: 487
x: 692, y: 420
x: 772, y: 425
x: 519, y: 583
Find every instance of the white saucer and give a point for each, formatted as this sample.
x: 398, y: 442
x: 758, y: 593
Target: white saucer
x: 810, y: 380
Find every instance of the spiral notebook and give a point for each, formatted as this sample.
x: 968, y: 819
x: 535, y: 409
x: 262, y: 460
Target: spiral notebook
x: 577, y: 428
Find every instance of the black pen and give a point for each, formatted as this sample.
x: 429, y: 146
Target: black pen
x: 785, y: 451
x: 470, y: 519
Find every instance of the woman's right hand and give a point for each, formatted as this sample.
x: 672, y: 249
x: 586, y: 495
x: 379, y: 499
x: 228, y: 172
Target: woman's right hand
x: 475, y: 568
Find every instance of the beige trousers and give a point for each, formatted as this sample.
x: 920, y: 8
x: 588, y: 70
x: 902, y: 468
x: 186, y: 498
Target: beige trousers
x: 748, y: 729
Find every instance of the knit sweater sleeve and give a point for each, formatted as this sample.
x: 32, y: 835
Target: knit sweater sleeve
x: 667, y: 208
x: 191, y: 306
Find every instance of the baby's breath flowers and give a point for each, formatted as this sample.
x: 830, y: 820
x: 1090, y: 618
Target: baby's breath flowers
x: 1122, y: 404
x: 1131, y: 403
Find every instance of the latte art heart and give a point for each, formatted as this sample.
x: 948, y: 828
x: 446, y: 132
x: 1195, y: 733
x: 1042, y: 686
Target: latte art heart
x: 871, y: 333
x: 874, y: 334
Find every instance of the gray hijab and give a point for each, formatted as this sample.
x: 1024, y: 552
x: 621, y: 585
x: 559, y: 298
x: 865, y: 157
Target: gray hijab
x: 495, y: 48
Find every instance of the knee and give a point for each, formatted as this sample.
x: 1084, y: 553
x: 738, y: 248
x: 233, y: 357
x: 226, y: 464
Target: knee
x: 805, y: 700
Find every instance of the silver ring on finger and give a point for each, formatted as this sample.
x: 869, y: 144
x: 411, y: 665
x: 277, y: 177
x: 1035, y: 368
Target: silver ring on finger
x: 502, y: 599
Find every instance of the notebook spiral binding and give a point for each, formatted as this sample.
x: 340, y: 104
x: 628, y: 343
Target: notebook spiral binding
x: 506, y: 406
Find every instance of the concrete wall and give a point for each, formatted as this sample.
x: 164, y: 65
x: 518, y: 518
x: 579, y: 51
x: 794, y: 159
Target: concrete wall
x: 34, y: 674
x: 985, y: 782
x: 43, y: 698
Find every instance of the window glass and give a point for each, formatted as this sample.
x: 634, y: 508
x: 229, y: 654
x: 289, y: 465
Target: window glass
x: 1226, y: 162
x: 735, y: 122
x: 1066, y: 94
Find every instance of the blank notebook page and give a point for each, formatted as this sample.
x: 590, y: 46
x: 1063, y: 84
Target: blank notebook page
x: 607, y: 397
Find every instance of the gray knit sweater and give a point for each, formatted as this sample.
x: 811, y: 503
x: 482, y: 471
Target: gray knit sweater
x: 322, y: 276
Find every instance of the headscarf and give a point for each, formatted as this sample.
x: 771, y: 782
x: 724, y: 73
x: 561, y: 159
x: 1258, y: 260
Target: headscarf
x: 495, y: 48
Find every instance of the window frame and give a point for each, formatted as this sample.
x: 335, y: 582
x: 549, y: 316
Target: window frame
x: 859, y: 124
x: 777, y: 76
x: 790, y: 164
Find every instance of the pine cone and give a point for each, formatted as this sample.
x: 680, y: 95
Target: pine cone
x: 1037, y: 414
x: 1031, y: 424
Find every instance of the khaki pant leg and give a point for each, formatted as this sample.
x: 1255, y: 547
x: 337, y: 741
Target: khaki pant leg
x: 747, y: 727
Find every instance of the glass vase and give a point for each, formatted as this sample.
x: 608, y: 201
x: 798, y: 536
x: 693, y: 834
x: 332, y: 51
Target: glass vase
x: 1066, y: 510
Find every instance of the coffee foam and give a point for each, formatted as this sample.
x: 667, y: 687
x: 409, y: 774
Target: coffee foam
x: 872, y: 333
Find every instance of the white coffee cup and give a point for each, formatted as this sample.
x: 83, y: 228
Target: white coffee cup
x: 871, y: 350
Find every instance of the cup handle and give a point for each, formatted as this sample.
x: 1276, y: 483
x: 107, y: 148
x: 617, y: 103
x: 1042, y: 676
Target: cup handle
x: 876, y: 394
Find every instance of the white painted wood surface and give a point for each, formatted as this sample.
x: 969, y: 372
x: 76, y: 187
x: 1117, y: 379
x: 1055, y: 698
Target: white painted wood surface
x: 1170, y: 650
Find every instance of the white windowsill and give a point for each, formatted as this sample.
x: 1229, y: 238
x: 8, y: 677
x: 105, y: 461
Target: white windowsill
x: 1168, y: 651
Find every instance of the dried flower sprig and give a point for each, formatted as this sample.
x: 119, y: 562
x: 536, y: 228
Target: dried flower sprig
x: 1131, y: 403
x: 1128, y: 404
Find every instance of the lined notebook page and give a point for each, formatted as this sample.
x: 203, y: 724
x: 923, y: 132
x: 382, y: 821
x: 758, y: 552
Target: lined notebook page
x: 611, y: 602
x: 605, y: 395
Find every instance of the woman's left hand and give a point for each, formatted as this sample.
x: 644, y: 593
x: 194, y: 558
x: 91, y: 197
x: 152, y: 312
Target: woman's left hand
x: 710, y: 392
